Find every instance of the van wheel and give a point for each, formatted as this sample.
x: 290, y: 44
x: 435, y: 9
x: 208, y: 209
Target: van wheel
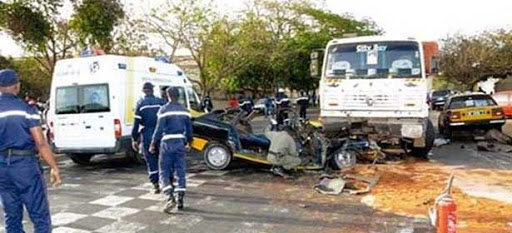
x: 217, y: 156
x: 81, y: 159
x: 430, y: 136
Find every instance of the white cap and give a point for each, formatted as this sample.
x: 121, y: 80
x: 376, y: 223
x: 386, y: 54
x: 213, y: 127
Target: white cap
x: 280, y: 90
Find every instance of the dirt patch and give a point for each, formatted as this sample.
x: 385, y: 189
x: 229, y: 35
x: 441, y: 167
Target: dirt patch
x: 409, y: 189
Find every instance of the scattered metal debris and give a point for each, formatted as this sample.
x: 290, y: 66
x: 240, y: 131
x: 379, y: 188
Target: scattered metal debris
x: 438, y: 142
x: 330, y: 186
x: 349, y: 183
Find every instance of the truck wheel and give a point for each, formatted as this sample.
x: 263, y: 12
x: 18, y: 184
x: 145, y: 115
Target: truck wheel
x: 343, y: 159
x: 81, y: 159
x: 217, y: 156
x: 430, y: 136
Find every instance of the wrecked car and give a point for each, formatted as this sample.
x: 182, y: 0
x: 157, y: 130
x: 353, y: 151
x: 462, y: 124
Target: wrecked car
x: 470, y: 112
x: 226, y: 135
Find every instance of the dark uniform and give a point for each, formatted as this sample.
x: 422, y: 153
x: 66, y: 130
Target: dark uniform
x: 207, y: 104
x: 22, y: 183
x: 245, y: 104
x: 146, y: 116
x: 174, y: 132
x: 303, y: 102
x: 282, y: 102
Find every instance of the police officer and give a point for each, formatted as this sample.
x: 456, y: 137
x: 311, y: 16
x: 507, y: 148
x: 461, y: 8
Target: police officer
x: 22, y: 183
x: 245, y: 103
x: 302, y: 101
x: 173, y: 132
x: 146, y: 116
x: 282, y: 102
x: 207, y: 104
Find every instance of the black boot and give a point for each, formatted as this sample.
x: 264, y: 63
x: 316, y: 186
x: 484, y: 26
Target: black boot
x: 156, y: 188
x: 181, y: 195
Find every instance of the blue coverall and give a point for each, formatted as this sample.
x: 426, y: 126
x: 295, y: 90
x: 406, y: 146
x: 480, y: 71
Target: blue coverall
x: 146, y: 116
x: 22, y: 181
x: 173, y: 131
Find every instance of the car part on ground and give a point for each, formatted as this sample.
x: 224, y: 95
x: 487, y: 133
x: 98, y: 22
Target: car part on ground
x: 350, y: 183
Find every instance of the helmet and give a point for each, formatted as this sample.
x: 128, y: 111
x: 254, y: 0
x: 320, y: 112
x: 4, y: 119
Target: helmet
x: 280, y: 90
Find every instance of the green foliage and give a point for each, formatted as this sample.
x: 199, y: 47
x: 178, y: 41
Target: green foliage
x: 94, y: 20
x: 467, y: 59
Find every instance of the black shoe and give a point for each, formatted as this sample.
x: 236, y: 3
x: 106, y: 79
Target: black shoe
x: 181, y: 195
x: 156, y: 188
x: 171, y: 207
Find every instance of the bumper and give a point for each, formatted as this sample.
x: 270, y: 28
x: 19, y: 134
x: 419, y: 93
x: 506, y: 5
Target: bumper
x: 493, y: 122
x: 396, y: 127
x: 439, y: 103
x: 122, y: 145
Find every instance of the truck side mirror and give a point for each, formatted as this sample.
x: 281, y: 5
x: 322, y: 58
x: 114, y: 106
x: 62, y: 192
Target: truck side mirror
x: 315, y: 65
x: 434, y: 65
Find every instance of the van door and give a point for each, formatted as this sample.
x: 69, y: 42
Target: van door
x: 84, y: 119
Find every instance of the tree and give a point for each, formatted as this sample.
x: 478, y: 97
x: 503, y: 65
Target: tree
x: 94, y: 21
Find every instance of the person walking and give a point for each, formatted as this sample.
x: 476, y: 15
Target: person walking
x: 302, y: 101
x: 146, y: 116
x: 22, y: 182
x: 173, y: 133
x: 269, y: 106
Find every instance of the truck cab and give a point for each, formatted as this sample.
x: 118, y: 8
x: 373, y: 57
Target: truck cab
x: 379, y: 85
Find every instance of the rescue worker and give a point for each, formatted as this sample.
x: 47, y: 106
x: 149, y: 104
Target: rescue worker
x: 282, y: 154
x: 174, y: 133
x: 146, y: 116
x: 302, y: 101
x: 22, y: 183
x: 282, y: 102
x: 207, y: 104
x: 245, y: 104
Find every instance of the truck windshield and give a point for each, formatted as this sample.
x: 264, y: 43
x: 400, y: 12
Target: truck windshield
x: 374, y: 60
x: 82, y: 99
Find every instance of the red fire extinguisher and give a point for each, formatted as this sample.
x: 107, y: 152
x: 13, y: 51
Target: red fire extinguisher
x: 444, y: 215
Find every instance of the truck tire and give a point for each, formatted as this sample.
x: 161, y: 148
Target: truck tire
x: 430, y: 136
x: 217, y: 156
x: 81, y: 159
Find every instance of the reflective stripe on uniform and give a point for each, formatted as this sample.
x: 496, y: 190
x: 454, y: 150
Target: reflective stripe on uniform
x: 173, y: 136
x: 301, y: 98
x: 20, y: 113
x: 282, y: 100
x: 180, y: 189
x: 153, y: 172
x: 150, y: 106
x: 167, y: 188
x: 167, y: 114
x: 245, y: 102
x: 138, y: 117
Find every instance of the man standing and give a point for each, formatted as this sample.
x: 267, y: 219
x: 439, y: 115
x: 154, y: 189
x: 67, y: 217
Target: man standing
x: 207, y: 104
x: 174, y: 133
x: 302, y: 101
x: 282, y: 102
x: 245, y: 103
x: 22, y: 183
x: 146, y: 116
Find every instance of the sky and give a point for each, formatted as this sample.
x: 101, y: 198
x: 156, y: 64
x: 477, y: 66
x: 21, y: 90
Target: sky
x: 422, y: 19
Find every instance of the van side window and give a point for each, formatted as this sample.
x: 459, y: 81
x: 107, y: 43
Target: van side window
x: 193, y: 100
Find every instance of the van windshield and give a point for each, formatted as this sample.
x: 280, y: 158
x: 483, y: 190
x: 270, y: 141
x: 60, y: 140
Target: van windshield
x: 82, y: 99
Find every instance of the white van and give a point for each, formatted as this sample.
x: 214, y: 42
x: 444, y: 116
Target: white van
x: 92, y: 102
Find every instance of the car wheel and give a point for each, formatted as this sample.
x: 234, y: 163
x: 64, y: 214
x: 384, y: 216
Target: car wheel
x: 343, y: 159
x: 81, y: 159
x: 430, y: 136
x: 217, y: 156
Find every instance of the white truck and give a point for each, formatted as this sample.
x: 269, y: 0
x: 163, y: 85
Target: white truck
x: 92, y: 102
x: 378, y: 85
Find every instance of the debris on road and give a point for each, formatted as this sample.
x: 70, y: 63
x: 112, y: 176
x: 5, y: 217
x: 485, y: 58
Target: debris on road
x: 354, y: 184
x: 438, y: 142
x: 494, y: 141
x: 495, y: 135
x: 493, y: 147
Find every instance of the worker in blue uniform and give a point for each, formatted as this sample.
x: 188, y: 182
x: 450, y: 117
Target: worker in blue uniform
x: 173, y: 133
x: 282, y: 103
x: 22, y: 182
x: 146, y: 116
x: 302, y: 102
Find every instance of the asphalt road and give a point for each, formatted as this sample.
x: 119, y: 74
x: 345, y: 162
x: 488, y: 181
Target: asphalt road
x: 111, y: 195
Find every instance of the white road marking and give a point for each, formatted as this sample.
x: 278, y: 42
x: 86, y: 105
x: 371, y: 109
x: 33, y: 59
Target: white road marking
x: 122, y: 227
x: 111, y: 200
x: 116, y: 213
x: 153, y: 197
x: 60, y: 219
x: 69, y: 230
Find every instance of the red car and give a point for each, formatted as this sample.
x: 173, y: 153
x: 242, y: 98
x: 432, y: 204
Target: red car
x: 504, y: 100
